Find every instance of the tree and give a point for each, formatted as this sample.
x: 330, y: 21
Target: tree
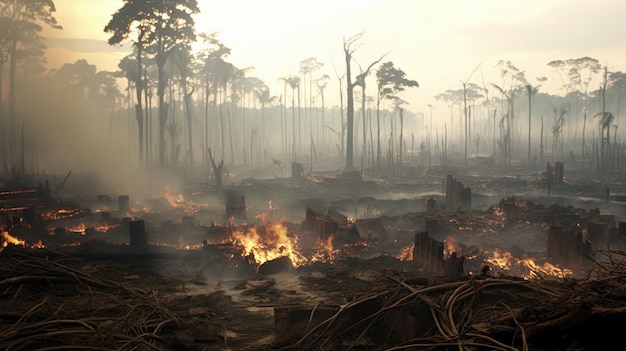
x: 321, y: 86
x: 159, y: 26
x: 20, y: 25
x: 532, y: 90
x: 213, y: 52
x: 307, y: 67
x: 576, y: 75
x: 516, y: 80
x: 390, y: 81
x: 294, y: 83
x: 183, y: 59
x: 349, y: 47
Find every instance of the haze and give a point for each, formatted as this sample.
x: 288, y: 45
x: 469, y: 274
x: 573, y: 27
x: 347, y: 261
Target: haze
x: 438, y: 44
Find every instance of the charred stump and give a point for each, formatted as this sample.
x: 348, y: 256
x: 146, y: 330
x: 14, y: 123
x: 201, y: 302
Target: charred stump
x: 123, y: 203
x: 458, y: 196
x: 235, y: 205
x: 137, y: 231
x: 428, y: 252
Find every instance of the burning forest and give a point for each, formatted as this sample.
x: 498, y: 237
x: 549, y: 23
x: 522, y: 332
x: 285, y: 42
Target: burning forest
x: 161, y: 191
x: 456, y: 263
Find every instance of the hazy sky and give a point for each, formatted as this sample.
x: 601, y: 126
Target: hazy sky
x: 437, y: 43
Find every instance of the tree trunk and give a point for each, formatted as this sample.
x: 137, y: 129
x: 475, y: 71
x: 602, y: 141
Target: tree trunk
x: 139, y: 107
x: 350, y: 97
x: 163, y: 106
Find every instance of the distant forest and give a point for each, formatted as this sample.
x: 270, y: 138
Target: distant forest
x: 173, y: 107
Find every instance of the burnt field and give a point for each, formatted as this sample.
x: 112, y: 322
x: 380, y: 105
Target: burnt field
x: 427, y: 259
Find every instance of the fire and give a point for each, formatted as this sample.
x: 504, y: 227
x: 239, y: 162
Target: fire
x: 506, y: 261
x: 80, y: 228
x: 174, y: 200
x: 182, y: 245
x: 267, y: 243
x: 452, y: 245
x: 406, y: 253
x: 501, y: 260
x: 190, y: 207
x: 9, y: 239
x: 325, y: 251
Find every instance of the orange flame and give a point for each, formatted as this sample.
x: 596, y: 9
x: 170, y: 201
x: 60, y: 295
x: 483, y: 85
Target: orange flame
x: 9, y: 239
x: 406, y: 253
x: 324, y: 250
x: 452, y: 245
x: 174, y: 200
x: 506, y: 261
x: 271, y: 243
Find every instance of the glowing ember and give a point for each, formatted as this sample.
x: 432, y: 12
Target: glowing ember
x: 80, y: 228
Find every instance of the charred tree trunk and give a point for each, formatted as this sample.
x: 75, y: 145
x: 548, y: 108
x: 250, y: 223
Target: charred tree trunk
x: 217, y: 172
x: 139, y: 107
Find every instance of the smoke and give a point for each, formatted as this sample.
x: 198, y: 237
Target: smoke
x: 64, y: 130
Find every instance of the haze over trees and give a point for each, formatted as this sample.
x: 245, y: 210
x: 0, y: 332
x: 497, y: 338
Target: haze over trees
x: 177, y: 103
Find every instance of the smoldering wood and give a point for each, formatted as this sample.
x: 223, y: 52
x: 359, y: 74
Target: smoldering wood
x: 235, y: 205
x: 123, y: 203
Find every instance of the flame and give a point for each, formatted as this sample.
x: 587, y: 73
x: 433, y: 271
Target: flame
x: 174, y: 200
x: 406, y: 253
x: 190, y: 207
x: 506, y: 261
x: 9, y: 239
x: 324, y: 250
x: 80, y: 228
x: 452, y: 245
x: 6, y: 239
x: 268, y: 242
x: 501, y: 260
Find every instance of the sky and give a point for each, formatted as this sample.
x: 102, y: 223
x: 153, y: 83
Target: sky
x: 437, y: 43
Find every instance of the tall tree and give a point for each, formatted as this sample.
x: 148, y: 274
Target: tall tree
x: 21, y: 25
x: 390, y: 81
x: 307, y: 67
x: 159, y: 26
x: 532, y: 91
x: 349, y: 47
x: 294, y: 84
x: 183, y: 61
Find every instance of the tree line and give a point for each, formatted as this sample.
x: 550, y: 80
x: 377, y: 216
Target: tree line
x: 191, y: 106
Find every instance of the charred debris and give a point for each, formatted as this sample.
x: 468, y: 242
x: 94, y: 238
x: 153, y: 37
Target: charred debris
x: 447, y: 261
